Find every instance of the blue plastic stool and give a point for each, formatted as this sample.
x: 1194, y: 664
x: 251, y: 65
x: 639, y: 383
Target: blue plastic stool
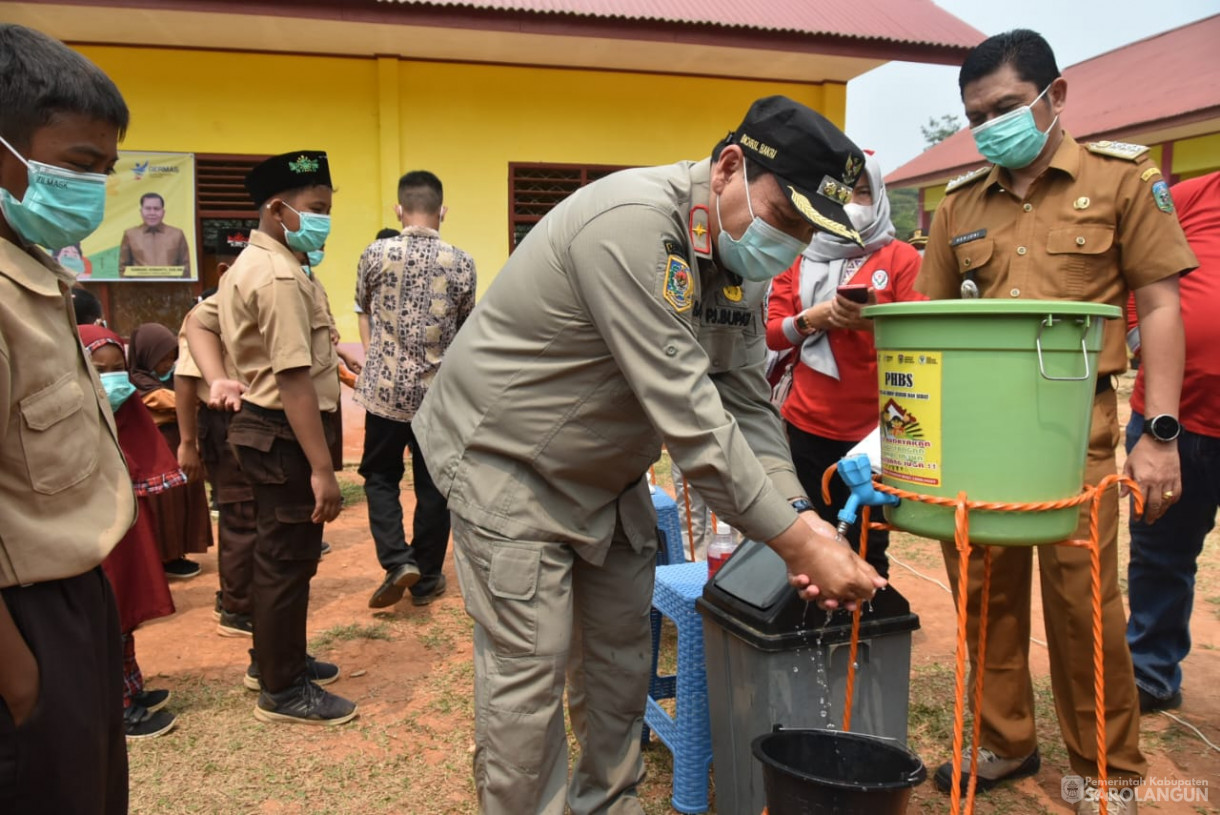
x: 688, y: 733
x: 670, y: 528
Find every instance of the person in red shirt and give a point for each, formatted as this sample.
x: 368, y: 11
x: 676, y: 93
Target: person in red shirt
x: 1161, y: 574
x: 832, y: 403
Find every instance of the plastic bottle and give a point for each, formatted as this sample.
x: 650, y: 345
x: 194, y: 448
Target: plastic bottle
x: 722, y: 545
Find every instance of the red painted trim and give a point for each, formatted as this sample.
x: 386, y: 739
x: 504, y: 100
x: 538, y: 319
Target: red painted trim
x: 1167, y: 163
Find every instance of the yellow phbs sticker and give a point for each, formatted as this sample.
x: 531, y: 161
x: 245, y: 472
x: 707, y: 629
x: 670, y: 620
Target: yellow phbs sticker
x: 910, y: 402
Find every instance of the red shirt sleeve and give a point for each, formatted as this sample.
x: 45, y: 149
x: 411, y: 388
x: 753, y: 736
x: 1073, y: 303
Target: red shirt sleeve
x: 783, y: 303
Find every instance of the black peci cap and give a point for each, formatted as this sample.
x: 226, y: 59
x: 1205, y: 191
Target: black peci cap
x: 288, y: 171
x: 816, y: 165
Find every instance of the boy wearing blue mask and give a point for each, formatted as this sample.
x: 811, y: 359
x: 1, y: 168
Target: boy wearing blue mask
x: 1052, y: 219
x: 279, y: 372
x: 65, y: 495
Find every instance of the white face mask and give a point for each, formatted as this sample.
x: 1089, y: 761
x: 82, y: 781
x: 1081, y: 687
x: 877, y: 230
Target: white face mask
x: 861, y: 216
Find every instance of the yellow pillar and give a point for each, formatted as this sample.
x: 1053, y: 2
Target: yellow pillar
x: 389, y: 136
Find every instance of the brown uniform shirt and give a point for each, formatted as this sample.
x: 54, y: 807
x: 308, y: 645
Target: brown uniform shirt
x: 186, y: 363
x: 272, y: 317
x: 160, y: 245
x: 1088, y: 229
x: 65, y: 495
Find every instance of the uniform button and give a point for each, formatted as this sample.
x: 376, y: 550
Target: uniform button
x: 1080, y: 241
x: 670, y: 350
x: 1015, y: 292
x: 715, y: 363
x: 1020, y: 250
x: 966, y: 262
x: 1028, y: 207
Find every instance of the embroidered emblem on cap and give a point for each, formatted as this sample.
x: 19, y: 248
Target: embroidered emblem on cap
x: 303, y: 164
x: 805, y: 207
x: 1160, y: 193
x: 851, y: 172
x: 838, y: 192
x: 677, y: 291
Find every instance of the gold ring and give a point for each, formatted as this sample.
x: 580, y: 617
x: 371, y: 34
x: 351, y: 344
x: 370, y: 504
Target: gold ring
x: 1167, y: 494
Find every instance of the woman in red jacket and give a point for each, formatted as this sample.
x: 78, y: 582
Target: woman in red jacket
x: 832, y: 404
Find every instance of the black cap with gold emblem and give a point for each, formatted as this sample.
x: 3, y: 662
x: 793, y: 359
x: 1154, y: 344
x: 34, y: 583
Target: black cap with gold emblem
x: 816, y: 165
x: 288, y: 171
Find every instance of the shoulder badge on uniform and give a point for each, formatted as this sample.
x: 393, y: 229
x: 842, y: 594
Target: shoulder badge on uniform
x: 678, y: 291
x: 1160, y: 194
x: 1117, y: 149
x: 967, y: 178
x: 700, y: 233
x: 1151, y: 172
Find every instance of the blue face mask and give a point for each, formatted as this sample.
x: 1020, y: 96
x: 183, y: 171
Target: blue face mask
x: 118, y: 388
x: 168, y: 375
x: 315, y: 258
x: 1013, y: 140
x: 60, y: 207
x: 762, y: 252
x: 312, y: 234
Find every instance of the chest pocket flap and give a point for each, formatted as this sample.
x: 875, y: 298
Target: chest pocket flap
x: 52, y: 405
x: 972, y: 255
x: 59, y: 436
x: 1081, y: 239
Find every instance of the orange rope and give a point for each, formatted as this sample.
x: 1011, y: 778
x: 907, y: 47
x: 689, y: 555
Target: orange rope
x: 855, y: 625
x: 962, y: 508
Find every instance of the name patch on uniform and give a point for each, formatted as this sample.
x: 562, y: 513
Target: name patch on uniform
x: 678, y: 291
x: 969, y: 236
x: 1151, y: 172
x: 1160, y: 193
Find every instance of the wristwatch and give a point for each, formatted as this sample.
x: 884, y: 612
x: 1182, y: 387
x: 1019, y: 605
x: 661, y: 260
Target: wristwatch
x: 1163, y: 427
x: 802, y: 325
x: 802, y: 505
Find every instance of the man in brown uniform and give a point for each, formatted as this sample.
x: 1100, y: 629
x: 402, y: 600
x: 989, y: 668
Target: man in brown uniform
x: 65, y: 495
x: 1055, y: 220
x: 154, y: 242
x: 275, y: 329
x: 629, y: 316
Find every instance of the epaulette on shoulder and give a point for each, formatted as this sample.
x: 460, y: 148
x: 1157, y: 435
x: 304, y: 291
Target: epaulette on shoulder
x: 1117, y: 149
x: 967, y: 178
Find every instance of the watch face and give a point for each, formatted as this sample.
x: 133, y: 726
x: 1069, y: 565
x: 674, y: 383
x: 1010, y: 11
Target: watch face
x: 1164, y: 428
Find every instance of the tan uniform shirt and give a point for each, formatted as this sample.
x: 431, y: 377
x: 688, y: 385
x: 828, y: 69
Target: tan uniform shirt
x: 272, y: 317
x: 1088, y: 229
x: 160, y: 245
x: 186, y: 363
x: 609, y: 331
x: 65, y: 495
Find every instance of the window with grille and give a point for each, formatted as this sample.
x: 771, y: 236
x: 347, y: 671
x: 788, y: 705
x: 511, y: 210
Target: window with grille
x: 534, y: 189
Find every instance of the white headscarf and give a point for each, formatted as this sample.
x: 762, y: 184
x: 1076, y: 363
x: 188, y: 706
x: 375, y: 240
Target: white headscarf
x: 822, y: 267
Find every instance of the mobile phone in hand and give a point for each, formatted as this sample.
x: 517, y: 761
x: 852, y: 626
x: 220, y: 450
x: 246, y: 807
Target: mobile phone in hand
x: 856, y: 292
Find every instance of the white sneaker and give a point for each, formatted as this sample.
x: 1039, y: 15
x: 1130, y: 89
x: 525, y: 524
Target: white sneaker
x: 993, y: 770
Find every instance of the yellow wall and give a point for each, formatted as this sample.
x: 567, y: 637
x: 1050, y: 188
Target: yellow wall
x: 1192, y: 157
x: 378, y: 118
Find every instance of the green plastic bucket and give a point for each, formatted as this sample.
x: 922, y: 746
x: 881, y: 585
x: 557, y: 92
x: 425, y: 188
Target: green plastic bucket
x: 990, y: 397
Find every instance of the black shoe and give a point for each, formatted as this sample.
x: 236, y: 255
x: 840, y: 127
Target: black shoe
x: 427, y: 596
x: 182, y: 569
x: 318, y: 672
x: 396, y: 582
x: 325, y: 549
x: 1152, y: 704
x: 141, y: 724
x: 151, y: 700
x: 217, y: 607
x: 304, y: 703
x: 235, y: 625
x: 993, y: 770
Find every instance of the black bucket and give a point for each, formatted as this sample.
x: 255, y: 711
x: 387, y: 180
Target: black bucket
x: 827, y: 772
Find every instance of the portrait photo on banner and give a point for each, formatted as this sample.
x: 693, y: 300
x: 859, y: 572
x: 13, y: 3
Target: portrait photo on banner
x: 149, y: 230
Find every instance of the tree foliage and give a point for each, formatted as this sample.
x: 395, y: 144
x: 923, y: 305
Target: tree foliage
x: 937, y: 130
x: 904, y: 210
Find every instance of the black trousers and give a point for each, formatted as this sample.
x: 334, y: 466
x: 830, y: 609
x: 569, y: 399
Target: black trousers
x: 287, y: 544
x: 812, y: 455
x: 70, y: 756
x: 385, y: 443
x: 237, y: 527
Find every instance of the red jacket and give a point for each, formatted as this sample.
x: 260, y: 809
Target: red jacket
x: 845, y: 409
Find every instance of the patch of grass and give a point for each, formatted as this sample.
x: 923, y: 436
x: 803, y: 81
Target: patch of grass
x: 1214, y: 602
x: 351, y: 487
x: 353, y: 631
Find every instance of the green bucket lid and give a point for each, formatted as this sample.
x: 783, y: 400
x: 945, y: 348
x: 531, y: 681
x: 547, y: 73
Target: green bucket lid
x: 993, y: 307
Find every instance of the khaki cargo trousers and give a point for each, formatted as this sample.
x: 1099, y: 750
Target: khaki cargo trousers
x: 542, y: 615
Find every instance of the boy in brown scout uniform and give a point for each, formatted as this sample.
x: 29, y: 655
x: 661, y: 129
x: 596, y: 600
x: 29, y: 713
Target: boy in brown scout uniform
x: 272, y: 320
x: 65, y: 496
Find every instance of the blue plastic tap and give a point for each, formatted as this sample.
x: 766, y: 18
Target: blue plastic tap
x: 858, y: 475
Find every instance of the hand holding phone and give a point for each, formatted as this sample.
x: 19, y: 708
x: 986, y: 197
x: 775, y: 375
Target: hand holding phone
x: 855, y: 292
